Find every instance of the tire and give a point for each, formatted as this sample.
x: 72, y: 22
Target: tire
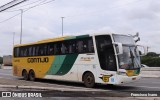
x: 25, y: 75
x: 89, y: 80
x: 31, y: 75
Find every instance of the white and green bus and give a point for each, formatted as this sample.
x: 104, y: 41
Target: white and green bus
x: 91, y: 59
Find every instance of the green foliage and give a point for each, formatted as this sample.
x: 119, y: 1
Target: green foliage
x: 1, y: 60
x: 152, y: 54
x: 152, y: 59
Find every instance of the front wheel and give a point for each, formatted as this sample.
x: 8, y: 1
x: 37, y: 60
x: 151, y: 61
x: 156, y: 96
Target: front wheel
x: 89, y: 80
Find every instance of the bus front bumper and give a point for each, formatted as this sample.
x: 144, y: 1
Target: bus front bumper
x: 122, y: 79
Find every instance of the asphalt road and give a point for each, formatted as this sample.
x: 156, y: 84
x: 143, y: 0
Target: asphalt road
x: 6, y: 72
x: 145, y: 84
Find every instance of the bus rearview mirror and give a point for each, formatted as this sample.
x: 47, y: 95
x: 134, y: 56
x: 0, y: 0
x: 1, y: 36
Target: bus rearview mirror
x: 142, y: 50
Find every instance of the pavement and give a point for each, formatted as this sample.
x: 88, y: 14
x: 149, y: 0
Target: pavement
x: 14, y: 83
x: 7, y: 83
x: 146, y: 72
x: 5, y: 67
x: 7, y: 72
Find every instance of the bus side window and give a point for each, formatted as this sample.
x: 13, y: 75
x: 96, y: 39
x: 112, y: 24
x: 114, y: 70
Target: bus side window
x: 57, y: 48
x: 33, y: 51
x: 63, y: 48
x: 85, y: 46
x: 66, y: 43
x: 41, y: 50
x: 16, y: 52
x: 51, y: 49
x: 30, y: 51
x: 25, y: 51
x: 45, y: 49
x: 22, y: 51
x: 37, y: 50
x: 48, y: 49
x: 90, y: 46
x: 71, y: 46
x: 79, y: 46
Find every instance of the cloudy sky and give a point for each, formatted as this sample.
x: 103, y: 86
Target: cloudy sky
x: 81, y: 17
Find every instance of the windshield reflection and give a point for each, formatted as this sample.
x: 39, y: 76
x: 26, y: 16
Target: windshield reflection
x: 130, y: 58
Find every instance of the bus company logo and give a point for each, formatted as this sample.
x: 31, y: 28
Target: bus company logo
x: 38, y: 60
x: 87, y: 58
x: 105, y: 78
x: 6, y: 94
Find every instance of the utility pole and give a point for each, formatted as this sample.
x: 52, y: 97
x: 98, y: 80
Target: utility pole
x: 62, y: 24
x: 21, y: 25
x: 13, y: 38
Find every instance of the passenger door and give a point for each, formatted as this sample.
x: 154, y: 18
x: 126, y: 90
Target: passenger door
x: 106, y: 53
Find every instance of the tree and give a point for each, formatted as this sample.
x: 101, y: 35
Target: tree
x: 152, y: 54
x: 152, y: 59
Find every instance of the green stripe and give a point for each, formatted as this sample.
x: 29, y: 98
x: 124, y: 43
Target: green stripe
x: 67, y: 64
x: 136, y: 71
x: 82, y: 36
x: 69, y: 38
x: 56, y: 65
x: 76, y: 37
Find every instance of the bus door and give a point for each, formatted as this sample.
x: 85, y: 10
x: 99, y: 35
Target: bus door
x: 106, y: 54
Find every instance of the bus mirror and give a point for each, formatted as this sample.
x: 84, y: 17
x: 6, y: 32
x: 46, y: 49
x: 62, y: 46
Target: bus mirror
x: 119, y: 48
x: 142, y: 50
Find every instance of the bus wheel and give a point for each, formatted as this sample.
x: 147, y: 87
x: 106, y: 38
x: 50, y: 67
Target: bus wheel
x: 31, y: 75
x: 25, y: 75
x: 89, y: 80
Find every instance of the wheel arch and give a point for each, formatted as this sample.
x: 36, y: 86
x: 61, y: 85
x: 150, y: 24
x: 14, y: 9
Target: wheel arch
x: 85, y: 73
x: 33, y: 71
x: 23, y: 71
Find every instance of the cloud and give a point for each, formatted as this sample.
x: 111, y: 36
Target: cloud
x: 83, y: 17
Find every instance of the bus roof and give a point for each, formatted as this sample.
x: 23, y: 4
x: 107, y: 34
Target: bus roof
x: 53, y: 40
x: 63, y: 38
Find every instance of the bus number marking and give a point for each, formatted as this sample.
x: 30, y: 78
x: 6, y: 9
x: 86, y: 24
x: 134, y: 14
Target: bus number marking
x: 105, y: 78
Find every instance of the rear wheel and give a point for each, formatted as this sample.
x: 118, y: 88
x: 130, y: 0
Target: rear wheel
x: 25, y: 75
x: 89, y: 80
x: 31, y: 75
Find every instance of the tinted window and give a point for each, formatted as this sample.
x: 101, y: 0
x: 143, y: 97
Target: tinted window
x: 84, y: 45
x: 106, y: 53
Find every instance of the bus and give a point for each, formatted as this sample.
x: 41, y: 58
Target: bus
x: 90, y: 59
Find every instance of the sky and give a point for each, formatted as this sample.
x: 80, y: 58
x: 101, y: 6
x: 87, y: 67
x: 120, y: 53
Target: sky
x: 81, y: 17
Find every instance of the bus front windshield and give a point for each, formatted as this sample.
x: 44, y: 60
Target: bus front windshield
x: 130, y: 58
